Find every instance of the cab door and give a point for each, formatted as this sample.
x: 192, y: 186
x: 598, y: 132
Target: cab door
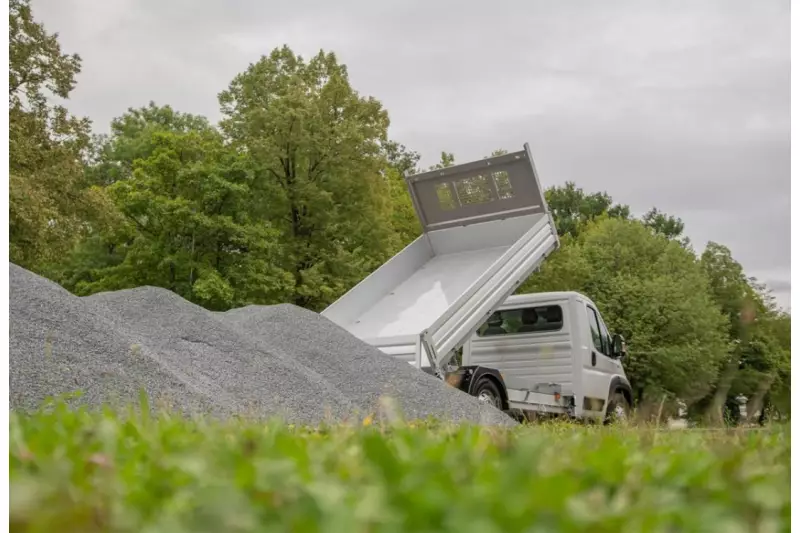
x: 610, y: 363
x: 598, y: 366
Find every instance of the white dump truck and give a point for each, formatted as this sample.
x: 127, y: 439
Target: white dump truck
x: 486, y: 229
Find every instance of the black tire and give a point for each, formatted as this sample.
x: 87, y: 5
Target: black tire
x: 619, y: 410
x: 487, y: 391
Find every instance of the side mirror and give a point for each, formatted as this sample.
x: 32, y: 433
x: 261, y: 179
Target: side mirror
x: 618, y: 347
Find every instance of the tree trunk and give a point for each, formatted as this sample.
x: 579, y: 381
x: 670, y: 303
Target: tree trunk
x: 755, y: 404
x: 716, y: 410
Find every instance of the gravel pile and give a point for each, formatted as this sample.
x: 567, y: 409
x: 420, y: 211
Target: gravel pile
x: 257, y: 361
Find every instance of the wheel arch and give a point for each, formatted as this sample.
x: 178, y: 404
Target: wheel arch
x: 622, y: 385
x: 473, y: 375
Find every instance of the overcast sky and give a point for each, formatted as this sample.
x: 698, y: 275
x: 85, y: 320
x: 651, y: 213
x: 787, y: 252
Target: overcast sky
x: 680, y: 105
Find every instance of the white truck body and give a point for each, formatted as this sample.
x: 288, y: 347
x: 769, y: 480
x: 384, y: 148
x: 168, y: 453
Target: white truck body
x: 486, y: 228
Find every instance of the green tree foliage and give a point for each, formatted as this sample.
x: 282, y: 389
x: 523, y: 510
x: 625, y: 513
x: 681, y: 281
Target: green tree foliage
x: 730, y: 288
x: 759, y: 360
x: 401, y: 162
x: 135, y: 135
x: 572, y: 208
x: 402, y: 159
x: 446, y: 159
x: 51, y: 204
x: 404, y: 222
x: 669, y: 226
x: 779, y: 396
x: 191, y: 225
x: 315, y: 146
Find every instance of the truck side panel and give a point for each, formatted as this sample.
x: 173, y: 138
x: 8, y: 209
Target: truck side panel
x: 402, y: 347
x: 529, y: 359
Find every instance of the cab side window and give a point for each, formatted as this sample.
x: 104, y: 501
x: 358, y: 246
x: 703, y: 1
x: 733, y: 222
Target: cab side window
x: 539, y: 319
x: 598, y: 338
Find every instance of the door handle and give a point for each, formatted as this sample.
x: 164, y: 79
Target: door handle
x: 594, y: 359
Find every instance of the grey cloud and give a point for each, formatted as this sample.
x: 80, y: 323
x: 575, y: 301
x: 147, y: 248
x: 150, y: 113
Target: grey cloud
x: 682, y: 105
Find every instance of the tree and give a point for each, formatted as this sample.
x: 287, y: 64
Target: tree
x: 730, y: 288
x: 572, y: 208
x: 669, y: 226
x: 446, y: 159
x: 133, y: 137
x: 758, y: 362
x: 778, y: 398
x: 51, y: 204
x: 404, y: 222
x: 315, y: 146
x: 400, y: 158
x: 400, y: 161
x: 192, y: 225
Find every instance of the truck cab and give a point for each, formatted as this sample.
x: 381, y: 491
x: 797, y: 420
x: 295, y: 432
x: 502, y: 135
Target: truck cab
x: 553, y: 355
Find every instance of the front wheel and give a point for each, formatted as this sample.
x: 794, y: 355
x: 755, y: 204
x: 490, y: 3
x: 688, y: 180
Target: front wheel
x: 619, y: 409
x: 487, y: 392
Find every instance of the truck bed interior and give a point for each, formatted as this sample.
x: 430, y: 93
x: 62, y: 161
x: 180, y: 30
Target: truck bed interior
x: 439, y: 279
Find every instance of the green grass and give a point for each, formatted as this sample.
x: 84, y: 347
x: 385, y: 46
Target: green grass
x: 74, y: 471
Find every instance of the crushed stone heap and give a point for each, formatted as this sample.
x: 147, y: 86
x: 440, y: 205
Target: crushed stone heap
x: 257, y: 361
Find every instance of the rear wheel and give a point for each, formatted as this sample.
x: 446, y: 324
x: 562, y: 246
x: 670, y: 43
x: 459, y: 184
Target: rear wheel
x: 619, y: 409
x: 488, y: 392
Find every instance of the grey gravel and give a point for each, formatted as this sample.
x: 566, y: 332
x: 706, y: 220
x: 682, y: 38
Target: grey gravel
x: 257, y: 361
